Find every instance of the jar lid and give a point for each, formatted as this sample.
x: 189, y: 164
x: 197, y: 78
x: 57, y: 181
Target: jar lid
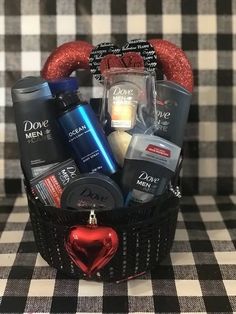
x: 92, y: 191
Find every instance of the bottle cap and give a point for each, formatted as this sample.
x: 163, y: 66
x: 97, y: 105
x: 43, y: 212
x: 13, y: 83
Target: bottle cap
x: 67, y: 100
x: 30, y: 88
x: 67, y: 84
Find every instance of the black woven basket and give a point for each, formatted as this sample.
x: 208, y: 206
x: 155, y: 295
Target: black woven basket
x: 145, y: 232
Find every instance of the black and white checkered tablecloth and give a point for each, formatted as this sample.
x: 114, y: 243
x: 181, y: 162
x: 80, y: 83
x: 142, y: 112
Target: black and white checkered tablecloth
x: 199, y: 276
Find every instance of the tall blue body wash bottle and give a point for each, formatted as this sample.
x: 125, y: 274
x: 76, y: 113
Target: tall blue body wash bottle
x: 85, y: 135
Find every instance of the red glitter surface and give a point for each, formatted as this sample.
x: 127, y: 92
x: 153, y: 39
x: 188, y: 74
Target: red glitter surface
x: 175, y: 64
x: 133, y: 60
x: 110, y: 61
x: 128, y: 60
x: 67, y: 58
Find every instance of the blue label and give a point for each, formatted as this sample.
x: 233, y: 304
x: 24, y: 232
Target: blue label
x: 87, y: 140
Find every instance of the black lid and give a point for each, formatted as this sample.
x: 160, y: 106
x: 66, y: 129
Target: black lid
x: 67, y: 100
x: 92, y: 191
x: 30, y: 88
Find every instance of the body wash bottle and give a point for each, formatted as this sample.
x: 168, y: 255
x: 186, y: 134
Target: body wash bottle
x: 84, y: 135
x: 172, y: 108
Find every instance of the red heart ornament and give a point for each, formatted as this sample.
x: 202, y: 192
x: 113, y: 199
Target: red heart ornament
x: 91, y: 247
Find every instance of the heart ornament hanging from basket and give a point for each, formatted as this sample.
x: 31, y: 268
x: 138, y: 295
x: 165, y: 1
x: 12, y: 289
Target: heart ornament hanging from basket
x: 91, y: 246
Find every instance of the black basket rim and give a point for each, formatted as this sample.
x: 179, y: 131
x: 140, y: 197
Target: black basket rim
x: 81, y: 217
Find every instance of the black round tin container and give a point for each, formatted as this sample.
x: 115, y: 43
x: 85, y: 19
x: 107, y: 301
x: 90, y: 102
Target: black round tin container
x: 92, y: 191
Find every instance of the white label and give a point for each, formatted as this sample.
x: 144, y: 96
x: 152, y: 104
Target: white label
x: 153, y: 149
x: 121, y: 123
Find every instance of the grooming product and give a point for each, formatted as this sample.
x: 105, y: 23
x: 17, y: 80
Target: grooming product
x: 40, y: 142
x: 150, y: 163
x: 92, y: 191
x: 122, y: 102
x: 130, y: 94
x: 48, y: 187
x: 119, y: 142
x: 64, y: 84
x: 85, y: 136
x: 172, y: 108
x: 138, y: 197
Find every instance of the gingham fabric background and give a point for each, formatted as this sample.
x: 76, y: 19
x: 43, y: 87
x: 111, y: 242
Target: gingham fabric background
x: 31, y: 29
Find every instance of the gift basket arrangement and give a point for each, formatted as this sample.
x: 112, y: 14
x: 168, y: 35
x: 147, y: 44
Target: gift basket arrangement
x: 102, y: 174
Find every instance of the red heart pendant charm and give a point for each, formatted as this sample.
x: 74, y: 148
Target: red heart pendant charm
x: 91, y: 247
